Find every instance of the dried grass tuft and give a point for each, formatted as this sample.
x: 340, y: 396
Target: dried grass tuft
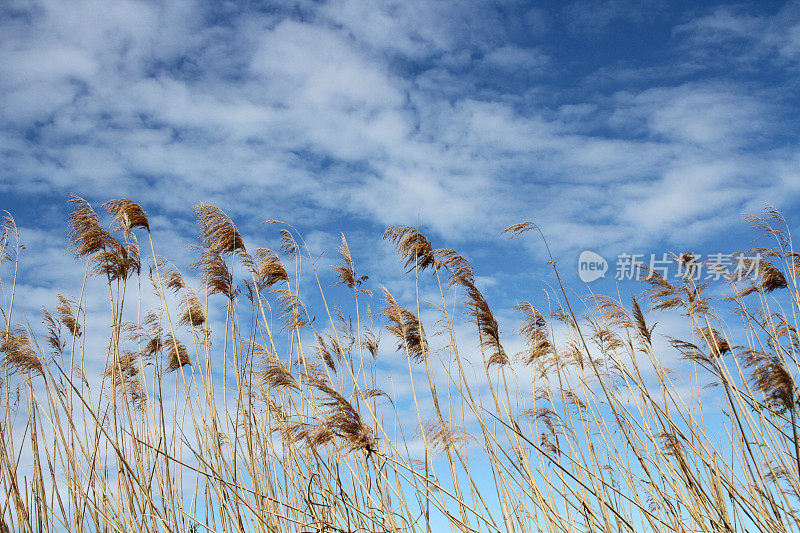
x: 216, y: 276
x: 86, y: 235
x: 269, y: 270
x: 128, y: 215
x: 405, y: 325
x: 347, y: 271
x: 217, y: 231
x: 534, y: 330
x: 68, y: 316
x: 20, y: 357
x: 177, y: 354
x: 412, y: 246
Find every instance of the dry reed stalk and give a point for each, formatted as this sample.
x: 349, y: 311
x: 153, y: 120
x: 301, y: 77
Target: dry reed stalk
x: 612, y: 440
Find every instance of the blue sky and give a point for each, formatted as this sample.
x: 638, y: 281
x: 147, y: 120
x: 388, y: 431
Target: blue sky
x: 618, y: 127
x: 614, y: 125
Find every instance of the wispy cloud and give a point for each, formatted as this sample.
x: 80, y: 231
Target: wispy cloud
x: 461, y: 120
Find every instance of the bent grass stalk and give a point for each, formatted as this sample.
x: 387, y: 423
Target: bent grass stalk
x: 586, y: 430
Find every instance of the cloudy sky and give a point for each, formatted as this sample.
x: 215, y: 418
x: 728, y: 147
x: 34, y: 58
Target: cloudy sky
x: 617, y: 126
x: 614, y: 125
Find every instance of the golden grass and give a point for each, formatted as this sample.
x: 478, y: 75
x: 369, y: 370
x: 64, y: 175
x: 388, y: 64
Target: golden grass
x: 262, y: 427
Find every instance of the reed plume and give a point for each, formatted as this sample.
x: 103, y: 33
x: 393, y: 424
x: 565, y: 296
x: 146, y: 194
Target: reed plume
x: 645, y: 333
x: 534, y: 330
x: 117, y: 261
x: 459, y: 267
x: 345, y: 422
x: 86, y: 235
x: 269, y: 269
x: 293, y: 311
x: 193, y: 314
x: 766, y: 276
x: 19, y: 356
x: 217, y: 230
x: 406, y: 326
x: 444, y: 436
x: 412, y: 246
x: 172, y: 279
x: 481, y: 314
x: 215, y: 274
x: 771, y: 277
x: 128, y: 215
x: 177, y: 354
x: 124, y: 373
x: 661, y: 292
x: 68, y: 316
x: 371, y: 342
x: 275, y: 374
x: 53, y: 332
x: 9, y: 231
x: 328, y: 353
x: 518, y: 229
x: 770, y: 377
x: 347, y: 270
x: 715, y: 341
x: 289, y: 245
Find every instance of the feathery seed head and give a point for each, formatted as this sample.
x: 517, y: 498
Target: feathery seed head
x: 177, y: 353
x: 269, y: 269
x: 218, y: 232
x: 518, y: 229
x: 128, y: 215
x: 406, y: 326
x: 347, y: 270
x: 86, y: 235
x: 412, y: 246
x: 20, y: 357
x: 68, y: 316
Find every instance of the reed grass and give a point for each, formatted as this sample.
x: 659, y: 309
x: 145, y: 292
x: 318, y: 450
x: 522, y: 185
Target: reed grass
x: 231, y: 406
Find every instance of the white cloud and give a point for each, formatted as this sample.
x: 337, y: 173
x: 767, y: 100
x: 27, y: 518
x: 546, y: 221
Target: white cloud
x: 513, y: 58
x: 731, y: 33
x: 593, y: 17
x: 715, y: 116
x: 373, y: 114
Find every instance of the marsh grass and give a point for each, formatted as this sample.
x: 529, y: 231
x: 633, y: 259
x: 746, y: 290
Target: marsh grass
x: 277, y: 420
